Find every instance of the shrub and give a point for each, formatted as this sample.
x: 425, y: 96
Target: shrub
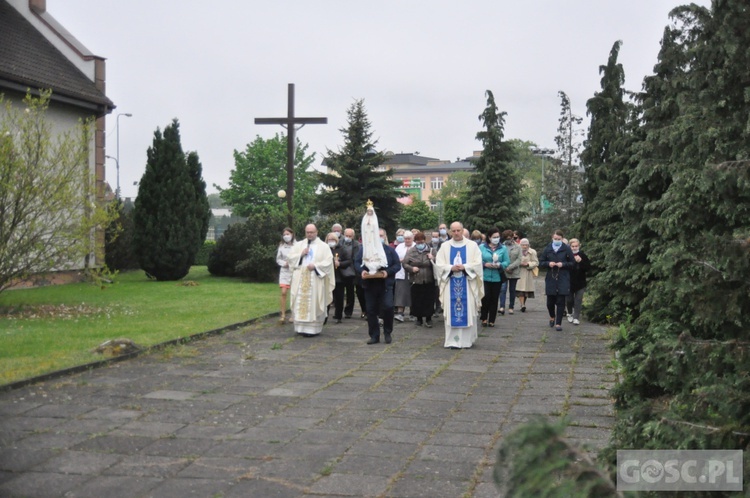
x: 248, y: 250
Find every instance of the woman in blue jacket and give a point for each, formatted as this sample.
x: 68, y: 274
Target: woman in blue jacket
x: 558, y: 259
x: 495, y: 260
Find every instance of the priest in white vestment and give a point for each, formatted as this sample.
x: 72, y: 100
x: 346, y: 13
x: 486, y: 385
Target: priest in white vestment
x: 313, y: 281
x: 458, y: 269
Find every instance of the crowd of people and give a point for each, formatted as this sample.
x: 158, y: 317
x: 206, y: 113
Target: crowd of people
x: 467, y: 277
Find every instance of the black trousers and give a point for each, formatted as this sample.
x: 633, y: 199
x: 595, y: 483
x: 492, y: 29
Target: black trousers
x: 379, y: 299
x: 556, y: 307
x: 360, y: 295
x: 489, y: 301
x: 349, y: 291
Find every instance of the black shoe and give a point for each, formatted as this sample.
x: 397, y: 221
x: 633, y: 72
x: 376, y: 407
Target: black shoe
x: 373, y: 341
x: 338, y: 320
x: 523, y: 309
x: 325, y: 321
x: 388, y: 338
x: 347, y: 316
x: 363, y: 316
x: 419, y: 323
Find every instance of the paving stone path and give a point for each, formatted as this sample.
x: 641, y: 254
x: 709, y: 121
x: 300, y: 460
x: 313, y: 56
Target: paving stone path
x: 262, y: 412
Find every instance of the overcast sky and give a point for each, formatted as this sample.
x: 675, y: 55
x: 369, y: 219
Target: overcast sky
x: 421, y: 66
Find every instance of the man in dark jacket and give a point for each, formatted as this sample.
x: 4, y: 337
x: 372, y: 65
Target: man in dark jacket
x: 558, y: 259
x: 379, y: 291
x: 348, y: 249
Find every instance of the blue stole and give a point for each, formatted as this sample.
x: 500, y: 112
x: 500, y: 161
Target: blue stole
x: 458, y: 292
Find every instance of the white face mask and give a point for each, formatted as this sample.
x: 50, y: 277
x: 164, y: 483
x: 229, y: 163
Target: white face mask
x: 287, y: 238
x: 338, y: 234
x: 347, y: 239
x: 331, y: 244
x: 495, y: 240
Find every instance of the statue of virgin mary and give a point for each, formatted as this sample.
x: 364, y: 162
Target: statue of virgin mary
x: 373, y: 254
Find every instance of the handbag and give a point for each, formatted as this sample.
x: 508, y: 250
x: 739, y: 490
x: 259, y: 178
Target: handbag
x: 535, y: 271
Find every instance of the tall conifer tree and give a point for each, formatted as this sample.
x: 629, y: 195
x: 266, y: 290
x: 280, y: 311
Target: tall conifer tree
x: 563, y: 185
x: 607, y: 162
x: 202, y: 208
x: 495, y: 186
x: 169, y: 216
x: 355, y: 177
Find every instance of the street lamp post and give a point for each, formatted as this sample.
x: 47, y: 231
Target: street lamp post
x: 117, y: 160
x: 117, y: 164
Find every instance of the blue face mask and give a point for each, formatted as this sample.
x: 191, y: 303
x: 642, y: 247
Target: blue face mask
x: 557, y: 244
x: 382, y: 240
x: 421, y: 246
x: 400, y: 238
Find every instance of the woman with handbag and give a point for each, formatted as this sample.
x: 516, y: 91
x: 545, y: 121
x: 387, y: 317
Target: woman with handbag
x: 494, y: 260
x: 529, y: 270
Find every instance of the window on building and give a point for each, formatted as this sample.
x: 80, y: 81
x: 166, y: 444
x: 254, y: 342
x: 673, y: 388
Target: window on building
x: 436, y: 182
x: 433, y: 206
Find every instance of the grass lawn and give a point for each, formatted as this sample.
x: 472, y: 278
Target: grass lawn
x: 49, y: 328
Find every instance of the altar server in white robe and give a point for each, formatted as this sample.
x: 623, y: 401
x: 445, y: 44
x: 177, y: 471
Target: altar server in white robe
x: 458, y: 269
x: 313, y: 281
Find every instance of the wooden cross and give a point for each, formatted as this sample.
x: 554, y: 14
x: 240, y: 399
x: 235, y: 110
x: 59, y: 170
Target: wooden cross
x: 289, y: 123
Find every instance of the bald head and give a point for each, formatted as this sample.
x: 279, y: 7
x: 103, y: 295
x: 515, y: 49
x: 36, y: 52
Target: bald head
x: 311, y: 232
x: 457, y: 231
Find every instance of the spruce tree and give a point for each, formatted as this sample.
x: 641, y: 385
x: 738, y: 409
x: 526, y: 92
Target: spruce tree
x: 495, y: 187
x: 170, y: 211
x: 355, y: 177
x: 607, y: 161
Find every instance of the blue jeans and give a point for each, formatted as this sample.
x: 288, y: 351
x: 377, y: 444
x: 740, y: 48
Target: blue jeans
x: 509, y: 283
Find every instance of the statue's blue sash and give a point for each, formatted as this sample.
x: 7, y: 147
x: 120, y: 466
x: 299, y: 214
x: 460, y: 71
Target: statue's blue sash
x: 458, y: 292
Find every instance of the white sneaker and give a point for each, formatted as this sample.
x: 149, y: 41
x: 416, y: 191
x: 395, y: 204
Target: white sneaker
x: 576, y: 322
x: 570, y: 318
x: 399, y: 317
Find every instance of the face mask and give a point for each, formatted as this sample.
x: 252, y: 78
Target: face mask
x: 338, y: 234
x: 331, y: 244
x: 400, y: 239
x: 435, y: 242
x: 443, y: 231
x: 421, y: 246
x: 576, y: 251
x: 382, y: 240
x: 347, y: 239
x: 287, y: 238
x: 557, y: 244
x: 495, y: 240
x: 478, y: 241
